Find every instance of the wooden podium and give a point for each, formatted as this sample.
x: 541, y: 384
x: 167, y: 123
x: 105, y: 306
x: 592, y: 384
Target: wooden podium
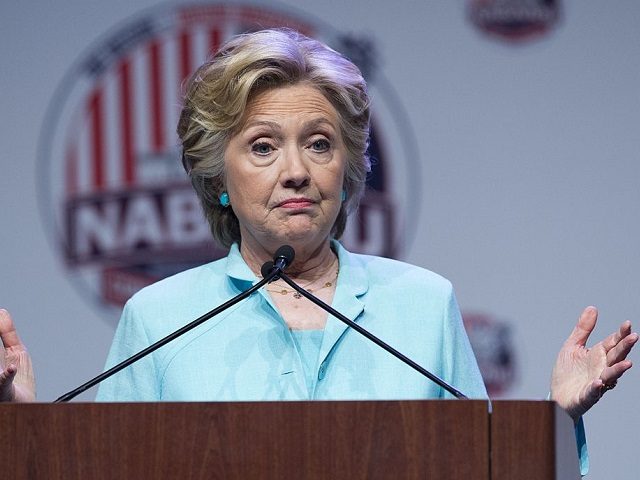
x: 288, y: 440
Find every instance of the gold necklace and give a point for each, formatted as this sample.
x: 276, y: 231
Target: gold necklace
x: 286, y: 290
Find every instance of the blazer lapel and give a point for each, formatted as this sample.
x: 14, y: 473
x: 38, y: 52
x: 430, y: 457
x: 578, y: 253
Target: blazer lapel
x: 352, y: 284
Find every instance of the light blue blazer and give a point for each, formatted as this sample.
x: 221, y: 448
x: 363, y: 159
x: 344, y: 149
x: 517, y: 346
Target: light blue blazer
x: 248, y: 353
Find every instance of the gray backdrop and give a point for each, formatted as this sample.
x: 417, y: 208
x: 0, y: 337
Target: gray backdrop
x: 529, y: 178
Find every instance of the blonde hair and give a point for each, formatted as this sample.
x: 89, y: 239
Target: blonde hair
x: 219, y: 91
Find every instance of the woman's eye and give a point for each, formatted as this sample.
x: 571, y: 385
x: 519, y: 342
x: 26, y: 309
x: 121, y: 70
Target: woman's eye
x: 261, y: 148
x: 321, y: 145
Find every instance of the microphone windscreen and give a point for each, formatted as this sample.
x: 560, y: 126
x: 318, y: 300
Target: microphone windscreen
x: 285, y: 252
x: 266, y: 268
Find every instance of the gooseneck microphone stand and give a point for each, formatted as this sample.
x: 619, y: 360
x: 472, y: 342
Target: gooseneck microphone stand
x: 370, y: 336
x: 270, y: 271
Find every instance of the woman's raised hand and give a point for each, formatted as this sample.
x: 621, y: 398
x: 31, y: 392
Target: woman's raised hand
x: 17, y: 382
x: 582, y: 375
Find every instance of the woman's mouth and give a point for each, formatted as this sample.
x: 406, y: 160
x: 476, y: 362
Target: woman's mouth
x: 296, y: 203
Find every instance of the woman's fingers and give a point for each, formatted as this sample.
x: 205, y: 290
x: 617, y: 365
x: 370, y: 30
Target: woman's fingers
x: 622, y: 343
x: 584, y: 327
x: 17, y: 382
x: 612, y: 340
x: 8, y: 333
x: 6, y: 383
x: 610, y: 375
x: 7, y: 375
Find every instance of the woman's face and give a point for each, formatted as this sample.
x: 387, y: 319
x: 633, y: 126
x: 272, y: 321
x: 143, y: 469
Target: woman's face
x: 285, y: 169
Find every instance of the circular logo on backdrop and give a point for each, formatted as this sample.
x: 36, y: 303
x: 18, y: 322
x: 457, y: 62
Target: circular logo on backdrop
x: 514, y: 21
x: 113, y: 193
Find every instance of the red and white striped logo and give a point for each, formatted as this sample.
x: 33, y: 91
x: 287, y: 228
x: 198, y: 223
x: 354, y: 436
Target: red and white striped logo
x: 122, y: 209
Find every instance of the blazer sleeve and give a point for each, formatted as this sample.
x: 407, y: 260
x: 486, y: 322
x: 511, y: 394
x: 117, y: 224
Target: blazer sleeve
x: 460, y: 365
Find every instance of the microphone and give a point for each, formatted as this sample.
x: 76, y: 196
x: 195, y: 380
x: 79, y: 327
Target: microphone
x: 434, y: 378
x: 282, y: 259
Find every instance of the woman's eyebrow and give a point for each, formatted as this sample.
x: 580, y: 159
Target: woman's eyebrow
x: 318, y: 122
x: 261, y: 123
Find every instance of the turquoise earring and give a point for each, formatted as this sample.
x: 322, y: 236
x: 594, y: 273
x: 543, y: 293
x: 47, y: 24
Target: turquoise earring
x: 344, y: 195
x: 224, y: 199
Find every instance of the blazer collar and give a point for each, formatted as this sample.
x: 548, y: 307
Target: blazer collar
x: 352, y: 278
x: 237, y: 269
x: 352, y: 284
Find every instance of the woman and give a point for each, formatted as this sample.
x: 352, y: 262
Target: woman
x: 274, y: 134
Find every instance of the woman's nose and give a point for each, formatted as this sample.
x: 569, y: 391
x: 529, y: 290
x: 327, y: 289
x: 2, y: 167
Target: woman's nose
x: 295, y: 173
